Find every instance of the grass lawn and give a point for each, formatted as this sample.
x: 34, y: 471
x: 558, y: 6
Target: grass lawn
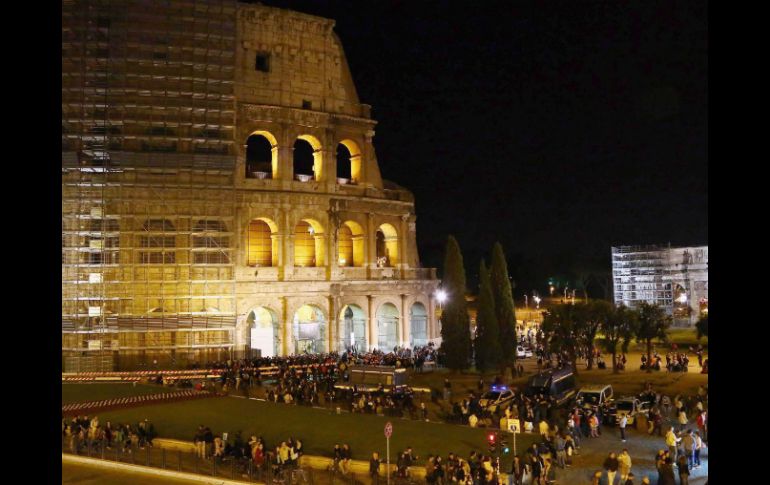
x: 686, y: 337
x: 318, y: 429
x: 72, y: 393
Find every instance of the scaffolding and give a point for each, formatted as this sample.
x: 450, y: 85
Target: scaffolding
x: 148, y: 159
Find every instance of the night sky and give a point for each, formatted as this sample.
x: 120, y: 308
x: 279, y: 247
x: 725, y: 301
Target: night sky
x: 559, y: 129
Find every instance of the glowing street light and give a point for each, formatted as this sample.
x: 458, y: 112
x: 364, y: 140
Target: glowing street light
x: 537, y: 300
x: 441, y: 296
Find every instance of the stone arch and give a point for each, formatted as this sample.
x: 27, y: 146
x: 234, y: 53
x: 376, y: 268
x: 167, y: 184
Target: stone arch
x: 350, y: 244
x: 387, y: 250
x: 264, y: 331
x: 348, y: 162
x: 261, y: 244
x: 310, y: 330
x: 309, y: 247
x: 302, y: 164
x: 352, y: 328
x: 388, y: 316
x: 418, y: 324
x: 261, y: 155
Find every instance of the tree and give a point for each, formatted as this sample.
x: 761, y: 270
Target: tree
x: 652, y: 323
x: 487, y: 342
x: 590, y: 318
x: 560, y: 328
x: 455, y: 323
x: 702, y: 326
x: 618, y: 328
x: 503, y: 294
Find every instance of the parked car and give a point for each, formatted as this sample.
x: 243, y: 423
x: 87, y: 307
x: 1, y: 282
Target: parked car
x: 629, y: 406
x: 495, y: 397
x: 523, y: 352
x: 593, y: 397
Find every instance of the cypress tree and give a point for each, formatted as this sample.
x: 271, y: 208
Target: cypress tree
x: 503, y: 295
x: 455, y: 323
x: 487, y: 342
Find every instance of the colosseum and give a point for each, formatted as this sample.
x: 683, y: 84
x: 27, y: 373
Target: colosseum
x: 221, y: 194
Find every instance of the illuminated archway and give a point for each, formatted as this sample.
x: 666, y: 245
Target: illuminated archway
x: 348, y: 162
x: 261, y: 247
x: 261, y: 155
x: 309, y: 328
x: 387, y: 327
x: 308, y: 244
x: 418, y: 324
x: 350, y: 244
x: 264, y: 332
x: 308, y: 159
x: 387, y: 246
x: 352, y: 333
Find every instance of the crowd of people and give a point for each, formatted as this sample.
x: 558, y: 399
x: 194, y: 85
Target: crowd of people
x: 83, y: 432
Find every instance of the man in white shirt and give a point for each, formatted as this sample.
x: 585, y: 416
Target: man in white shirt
x: 622, y: 425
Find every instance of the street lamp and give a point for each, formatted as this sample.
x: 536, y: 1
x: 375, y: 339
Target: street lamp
x: 441, y: 296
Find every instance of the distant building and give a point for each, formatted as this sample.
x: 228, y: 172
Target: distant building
x: 675, y: 278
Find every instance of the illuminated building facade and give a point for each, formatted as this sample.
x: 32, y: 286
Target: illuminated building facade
x: 221, y: 195
x: 675, y: 278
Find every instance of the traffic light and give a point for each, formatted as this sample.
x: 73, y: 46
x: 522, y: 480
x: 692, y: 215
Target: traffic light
x: 492, y: 441
x: 504, y: 446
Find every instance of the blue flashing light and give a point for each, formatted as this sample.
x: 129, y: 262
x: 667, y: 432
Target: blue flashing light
x: 499, y: 388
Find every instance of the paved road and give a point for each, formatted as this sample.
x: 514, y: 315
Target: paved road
x: 641, y: 447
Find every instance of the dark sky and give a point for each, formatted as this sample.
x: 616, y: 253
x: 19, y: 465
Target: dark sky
x: 559, y: 129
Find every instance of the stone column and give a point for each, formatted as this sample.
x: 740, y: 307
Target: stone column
x: 371, y: 245
x: 406, y: 329
x: 286, y: 321
x: 403, y: 236
x: 433, y: 331
x: 371, y: 338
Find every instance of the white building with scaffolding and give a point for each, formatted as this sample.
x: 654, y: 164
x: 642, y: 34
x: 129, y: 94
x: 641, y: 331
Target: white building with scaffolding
x: 674, y: 278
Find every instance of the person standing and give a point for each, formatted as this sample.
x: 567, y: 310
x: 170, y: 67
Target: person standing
x: 666, y: 473
x: 671, y: 442
x: 624, y: 462
x: 629, y: 480
x: 517, y: 471
x: 611, y: 466
x: 696, y: 448
x: 688, y: 443
x: 684, y: 470
x: 561, y: 453
x: 374, y: 468
x: 622, y: 425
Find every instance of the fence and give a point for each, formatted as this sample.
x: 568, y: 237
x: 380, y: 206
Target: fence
x: 242, y: 469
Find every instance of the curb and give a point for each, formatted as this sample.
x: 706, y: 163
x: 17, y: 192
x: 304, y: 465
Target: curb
x: 81, y: 460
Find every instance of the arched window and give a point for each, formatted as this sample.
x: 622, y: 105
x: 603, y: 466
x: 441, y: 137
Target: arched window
x: 387, y: 327
x: 345, y: 246
x: 348, y: 162
x: 260, y: 156
x: 308, y: 161
x: 212, y: 246
x: 387, y: 246
x: 304, y: 245
x: 303, y: 161
x: 260, y: 244
x: 350, y: 244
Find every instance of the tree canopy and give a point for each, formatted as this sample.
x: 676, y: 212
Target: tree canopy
x: 455, y: 323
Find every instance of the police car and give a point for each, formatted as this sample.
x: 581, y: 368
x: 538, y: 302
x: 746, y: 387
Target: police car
x: 496, y: 397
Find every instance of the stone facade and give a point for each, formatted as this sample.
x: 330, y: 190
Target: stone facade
x: 177, y: 246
